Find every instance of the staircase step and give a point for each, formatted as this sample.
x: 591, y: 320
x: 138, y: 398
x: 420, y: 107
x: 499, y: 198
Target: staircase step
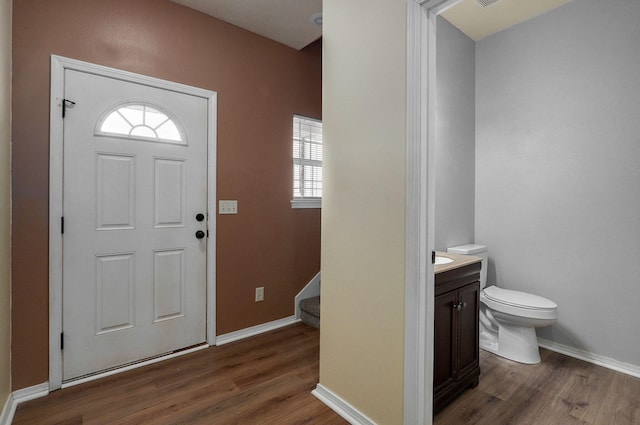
x: 310, y: 311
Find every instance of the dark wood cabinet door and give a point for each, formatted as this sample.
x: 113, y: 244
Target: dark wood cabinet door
x: 468, y: 329
x: 445, y: 340
x: 456, y: 333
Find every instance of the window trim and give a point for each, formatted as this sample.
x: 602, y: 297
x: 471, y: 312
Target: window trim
x: 306, y: 203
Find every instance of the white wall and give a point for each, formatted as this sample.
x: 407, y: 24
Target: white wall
x: 558, y: 168
x: 363, y: 213
x: 455, y: 137
x: 5, y: 199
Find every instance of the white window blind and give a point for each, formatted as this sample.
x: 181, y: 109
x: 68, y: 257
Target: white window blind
x: 307, y: 160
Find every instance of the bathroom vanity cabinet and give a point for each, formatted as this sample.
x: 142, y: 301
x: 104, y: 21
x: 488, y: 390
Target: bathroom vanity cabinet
x: 456, y: 349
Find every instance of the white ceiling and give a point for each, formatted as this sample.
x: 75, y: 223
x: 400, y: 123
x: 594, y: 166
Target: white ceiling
x: 285, y: 21
x: 288, y: 21
x: 478, y: 22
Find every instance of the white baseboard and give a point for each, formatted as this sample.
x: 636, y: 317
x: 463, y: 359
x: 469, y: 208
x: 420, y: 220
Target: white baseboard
x: 255, y: 330
x: 597, y: 359
x: 20, y: 396
x: 341, y: 407
x: 311, y: 289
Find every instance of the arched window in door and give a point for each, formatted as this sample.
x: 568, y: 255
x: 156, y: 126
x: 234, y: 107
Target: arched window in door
x: 140, y: 121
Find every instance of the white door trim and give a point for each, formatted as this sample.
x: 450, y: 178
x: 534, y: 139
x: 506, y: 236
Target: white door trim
x: 419, y: 281
x: 58, y: 66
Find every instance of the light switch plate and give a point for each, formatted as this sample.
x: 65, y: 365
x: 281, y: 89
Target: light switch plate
x: 227, y: 207
x: 260, y: 293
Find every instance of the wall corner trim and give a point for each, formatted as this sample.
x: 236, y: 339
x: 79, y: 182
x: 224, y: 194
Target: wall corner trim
x: 255, y: 330
x: 597, y: 359
x: 340, y: 406
x: 20, y: 396
x: 6, y: 416
x: 311, y: 289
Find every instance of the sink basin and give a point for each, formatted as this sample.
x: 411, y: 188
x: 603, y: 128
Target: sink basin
x: 442, y: 260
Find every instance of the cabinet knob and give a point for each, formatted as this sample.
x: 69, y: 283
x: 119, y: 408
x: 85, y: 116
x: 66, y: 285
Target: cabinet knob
x: 459, y: 306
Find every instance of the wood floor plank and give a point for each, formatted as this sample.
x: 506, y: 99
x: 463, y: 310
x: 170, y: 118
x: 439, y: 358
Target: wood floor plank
x: 558, y: 391
x: 260, y: 380
x: 621, y: 405
x: 268, y: 380
x: 586, y: 391
x: 253, y: 404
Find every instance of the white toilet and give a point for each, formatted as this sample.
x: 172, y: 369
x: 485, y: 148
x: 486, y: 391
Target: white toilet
x: 508, y: 318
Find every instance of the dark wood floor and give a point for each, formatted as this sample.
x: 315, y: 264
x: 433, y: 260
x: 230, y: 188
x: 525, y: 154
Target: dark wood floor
x: 558, y: 391
x: 266, y: 379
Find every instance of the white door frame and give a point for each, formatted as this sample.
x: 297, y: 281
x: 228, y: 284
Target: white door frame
x: 56, y: 145
x: 420, y: 213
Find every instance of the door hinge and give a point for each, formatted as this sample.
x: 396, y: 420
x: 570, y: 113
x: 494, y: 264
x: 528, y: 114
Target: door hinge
x: 66, y: 103
x: 61, y: 340
x: 62, y: 225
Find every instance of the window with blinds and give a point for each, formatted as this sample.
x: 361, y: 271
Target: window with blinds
x: 307, y: 162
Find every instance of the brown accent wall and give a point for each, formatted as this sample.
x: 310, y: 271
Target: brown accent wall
x: 260, y: 85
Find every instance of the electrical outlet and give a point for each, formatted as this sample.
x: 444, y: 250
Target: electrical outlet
x: 227, y: 207
x: 260, y: 294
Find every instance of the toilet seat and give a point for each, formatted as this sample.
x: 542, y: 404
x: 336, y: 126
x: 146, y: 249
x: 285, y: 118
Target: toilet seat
x: 518, y: 303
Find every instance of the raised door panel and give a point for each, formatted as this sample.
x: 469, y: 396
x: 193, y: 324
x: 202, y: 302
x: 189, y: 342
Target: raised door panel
x: 169, y: 192
x: 115, y: 191
x: 169, y: 284
x: 114, y: 292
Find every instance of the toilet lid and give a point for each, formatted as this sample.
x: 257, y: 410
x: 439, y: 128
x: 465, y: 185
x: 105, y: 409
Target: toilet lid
x: 518, y: 299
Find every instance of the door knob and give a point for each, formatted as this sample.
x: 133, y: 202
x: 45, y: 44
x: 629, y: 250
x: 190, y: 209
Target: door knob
x: 199, y: 217
x: 199, y: 234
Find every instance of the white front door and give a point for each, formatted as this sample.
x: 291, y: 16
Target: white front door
x: 135, y: 222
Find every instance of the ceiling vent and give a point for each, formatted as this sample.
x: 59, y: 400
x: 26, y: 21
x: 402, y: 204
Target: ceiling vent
x: 485, y: 3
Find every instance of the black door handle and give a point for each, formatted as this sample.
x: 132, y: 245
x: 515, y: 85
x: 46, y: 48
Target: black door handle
x: 199, y: 216
x: 199, y: 234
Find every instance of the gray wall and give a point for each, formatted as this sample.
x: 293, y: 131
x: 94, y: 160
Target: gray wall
x: 558, y: 168
x: 455, y: 135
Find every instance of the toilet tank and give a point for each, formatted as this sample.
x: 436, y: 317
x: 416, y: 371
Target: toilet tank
x: 477, y: 251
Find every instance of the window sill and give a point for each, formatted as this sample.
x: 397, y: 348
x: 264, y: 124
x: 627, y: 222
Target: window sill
x: 306, y: 203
